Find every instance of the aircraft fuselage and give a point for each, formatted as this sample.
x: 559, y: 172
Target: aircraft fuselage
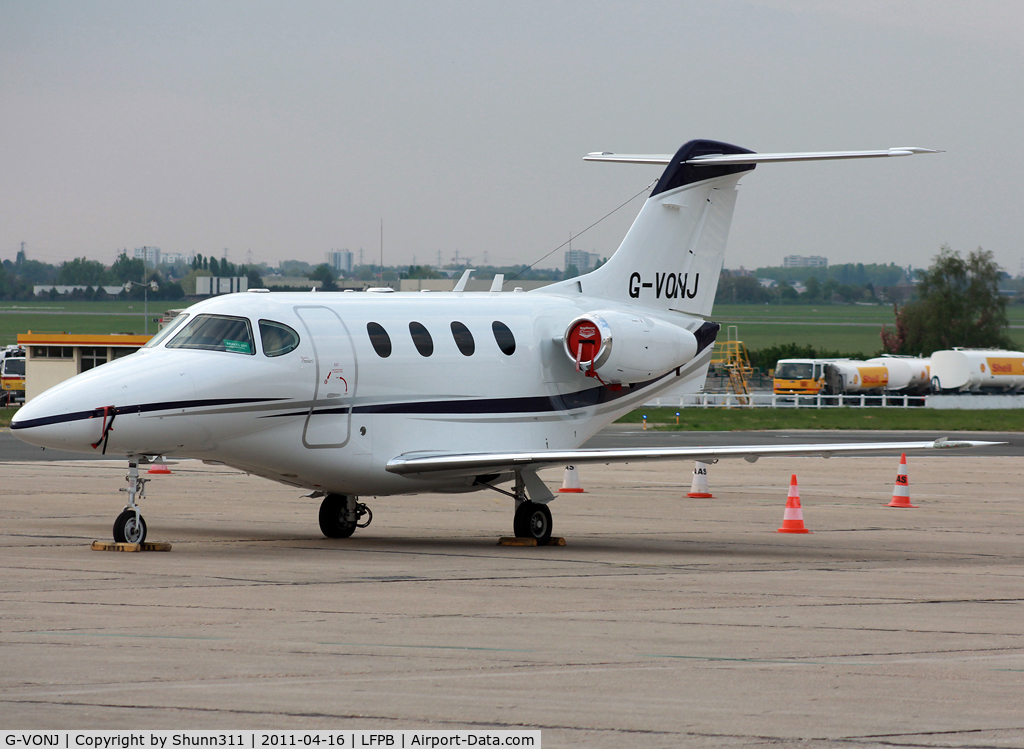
x: 450, y: 372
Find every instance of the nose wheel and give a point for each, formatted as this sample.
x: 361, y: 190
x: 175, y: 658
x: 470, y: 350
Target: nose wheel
x: 129, y: 527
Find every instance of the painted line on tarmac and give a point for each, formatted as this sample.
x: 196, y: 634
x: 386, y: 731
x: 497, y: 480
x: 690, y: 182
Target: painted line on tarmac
x: 759, y: 660
x: 424, y: 647
x: 117, y: 634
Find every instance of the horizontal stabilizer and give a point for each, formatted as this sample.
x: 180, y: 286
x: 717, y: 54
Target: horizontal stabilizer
x: 756, y: 158
x: 470, y: 464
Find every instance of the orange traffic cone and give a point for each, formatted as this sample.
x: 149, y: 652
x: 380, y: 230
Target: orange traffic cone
x: 793, y: 518
x: 159, y: 467
x: 699, y: 486
x: 571, y: 481
x: 901, y: 490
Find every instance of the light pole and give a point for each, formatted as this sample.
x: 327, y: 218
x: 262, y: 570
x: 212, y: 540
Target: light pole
x: 129, y: 285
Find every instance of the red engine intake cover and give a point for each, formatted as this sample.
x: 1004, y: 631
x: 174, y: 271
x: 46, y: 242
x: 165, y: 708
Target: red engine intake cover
x: 584, y: 341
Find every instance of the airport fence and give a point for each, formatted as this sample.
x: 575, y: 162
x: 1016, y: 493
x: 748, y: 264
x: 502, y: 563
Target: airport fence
x: 772, y: 400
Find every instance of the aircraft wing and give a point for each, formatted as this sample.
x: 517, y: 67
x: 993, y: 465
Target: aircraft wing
x: 471, y: 464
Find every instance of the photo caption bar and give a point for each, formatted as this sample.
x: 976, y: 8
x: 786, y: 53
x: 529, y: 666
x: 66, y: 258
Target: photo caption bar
x: 269, y: 739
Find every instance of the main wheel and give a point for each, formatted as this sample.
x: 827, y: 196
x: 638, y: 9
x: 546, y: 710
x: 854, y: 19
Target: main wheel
x: 332, y: 517
x: 129, y: 528
x: 533, y: 520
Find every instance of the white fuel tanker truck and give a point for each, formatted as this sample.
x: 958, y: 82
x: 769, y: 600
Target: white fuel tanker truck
x: 847, y: 376
x: 907, y: 374
x: 977, y: 370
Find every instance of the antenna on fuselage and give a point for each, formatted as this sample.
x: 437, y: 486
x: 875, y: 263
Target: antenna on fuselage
x: 461, y: 285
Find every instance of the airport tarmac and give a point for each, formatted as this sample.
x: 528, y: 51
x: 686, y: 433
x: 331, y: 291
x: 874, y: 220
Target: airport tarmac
x: 663, y: 622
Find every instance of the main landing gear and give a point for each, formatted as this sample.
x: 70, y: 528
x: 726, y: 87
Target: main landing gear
x: 130, y: 527
x: 532, y: 520
x: 533, y: 517
x: 340, y: 515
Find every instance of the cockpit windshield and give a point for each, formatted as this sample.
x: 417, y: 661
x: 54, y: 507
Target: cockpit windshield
x: 794, y: 371
x: 164, y: 334
x: 216, y: 333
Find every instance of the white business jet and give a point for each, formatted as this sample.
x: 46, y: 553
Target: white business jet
x: 376, y: 394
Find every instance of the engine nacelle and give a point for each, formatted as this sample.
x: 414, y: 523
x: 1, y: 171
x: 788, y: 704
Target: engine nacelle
x: 624, y: 347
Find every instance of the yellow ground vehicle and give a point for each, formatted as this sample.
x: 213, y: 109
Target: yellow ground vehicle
x: 800, y: 376
x: 12, y: 378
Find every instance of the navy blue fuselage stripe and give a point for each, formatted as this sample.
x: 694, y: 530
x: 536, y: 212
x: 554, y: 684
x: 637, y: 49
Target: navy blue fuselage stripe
x: 528, y: 404
x: 142, y: 408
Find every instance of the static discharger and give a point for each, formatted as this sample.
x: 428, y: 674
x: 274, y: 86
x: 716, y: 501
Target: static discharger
x: 571, y: 481
x: 699, y: 486
x: 793, y: 518
x: 116, y: 546
x: 901, y: 490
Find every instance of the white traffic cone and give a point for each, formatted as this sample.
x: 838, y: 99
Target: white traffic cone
x: 571, y: 481
x: 699, y: 487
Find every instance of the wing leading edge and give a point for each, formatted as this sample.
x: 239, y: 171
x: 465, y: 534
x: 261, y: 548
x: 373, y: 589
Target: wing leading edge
x: 471, y: 464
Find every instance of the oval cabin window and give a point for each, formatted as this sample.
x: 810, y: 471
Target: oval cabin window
x: 421, y: 338
x: 463, y: 338
x: 503, y: 336
x: 379, y: 339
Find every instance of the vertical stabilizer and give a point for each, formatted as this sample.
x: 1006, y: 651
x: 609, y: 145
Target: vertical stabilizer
x: 672, y: 255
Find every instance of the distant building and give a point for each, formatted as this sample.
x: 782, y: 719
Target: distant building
x: 339, y: 260
x: 148, y: 255
x: 211, y: 286
x: 298, y: 283
x: 584, y: 261
x: 170, y: 258
x: 805, y: 261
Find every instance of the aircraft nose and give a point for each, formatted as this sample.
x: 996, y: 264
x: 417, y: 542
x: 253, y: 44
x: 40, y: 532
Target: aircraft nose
x: 56, y: 421
x: 78, y: 414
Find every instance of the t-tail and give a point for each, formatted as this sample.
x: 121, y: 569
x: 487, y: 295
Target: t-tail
x: 672, y: 255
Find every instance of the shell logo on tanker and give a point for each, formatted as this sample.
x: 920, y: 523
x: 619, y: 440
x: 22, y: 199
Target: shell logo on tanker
x: 873, y: 376
x: 1005, y: 366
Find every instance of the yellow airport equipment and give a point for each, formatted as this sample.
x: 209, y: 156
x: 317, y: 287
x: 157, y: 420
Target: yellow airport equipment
x: 731, y: 355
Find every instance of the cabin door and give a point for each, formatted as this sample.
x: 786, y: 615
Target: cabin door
x: 329, y: 421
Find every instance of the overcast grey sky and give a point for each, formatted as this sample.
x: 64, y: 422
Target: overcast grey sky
x: 288, y: 129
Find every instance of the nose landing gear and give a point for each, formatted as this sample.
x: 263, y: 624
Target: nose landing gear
x: 130, y: 527
x: 340, y: 515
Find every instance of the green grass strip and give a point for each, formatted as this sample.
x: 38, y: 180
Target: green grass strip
x: 745, y: 419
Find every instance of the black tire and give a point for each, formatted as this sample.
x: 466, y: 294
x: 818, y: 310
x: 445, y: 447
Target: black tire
x: 332, y: 517
x: 127, y: 531
x: 533, y: 520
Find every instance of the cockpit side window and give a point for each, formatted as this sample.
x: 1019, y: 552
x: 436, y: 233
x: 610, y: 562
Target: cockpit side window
x: 278, y: 339
x: 216, y: 333
x: 164, y: 334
